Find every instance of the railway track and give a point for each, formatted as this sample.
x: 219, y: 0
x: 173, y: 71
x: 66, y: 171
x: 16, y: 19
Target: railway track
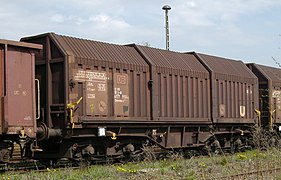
x: 251, y: 174
x: 22, y: 165
x: 18, y: 164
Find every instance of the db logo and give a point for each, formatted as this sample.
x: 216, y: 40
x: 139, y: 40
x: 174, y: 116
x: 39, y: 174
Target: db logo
x: 121, y: 79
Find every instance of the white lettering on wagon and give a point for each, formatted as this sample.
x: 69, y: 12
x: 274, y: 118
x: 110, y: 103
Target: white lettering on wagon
x: 82, y: 75
x: 276, y: 94
x: 95, y: 90
x: 27, y: 118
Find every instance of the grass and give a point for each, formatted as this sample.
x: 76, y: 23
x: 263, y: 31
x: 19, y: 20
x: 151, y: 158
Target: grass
x: 174, y: 167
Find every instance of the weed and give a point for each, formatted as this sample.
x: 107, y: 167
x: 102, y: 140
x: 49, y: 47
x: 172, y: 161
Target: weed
x: 202, y: 165
x: 191, y: 175
x: 224, y: 162
x: 241, y: 156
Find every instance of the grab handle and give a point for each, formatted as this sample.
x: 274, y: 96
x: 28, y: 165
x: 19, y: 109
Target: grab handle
x: 38, y: 98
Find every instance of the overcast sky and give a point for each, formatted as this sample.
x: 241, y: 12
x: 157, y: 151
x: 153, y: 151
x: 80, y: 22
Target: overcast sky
x: 248, y: 30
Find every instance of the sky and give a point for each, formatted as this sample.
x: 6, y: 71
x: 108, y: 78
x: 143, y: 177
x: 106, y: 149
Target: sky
x: 247, y: 30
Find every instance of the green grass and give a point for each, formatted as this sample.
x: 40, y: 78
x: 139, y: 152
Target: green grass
x: 174, y: 167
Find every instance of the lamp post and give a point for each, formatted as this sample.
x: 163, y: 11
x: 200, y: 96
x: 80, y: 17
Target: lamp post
x: 166, y: 8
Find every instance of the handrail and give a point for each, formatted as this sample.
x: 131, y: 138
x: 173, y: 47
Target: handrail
x: 38, y: 98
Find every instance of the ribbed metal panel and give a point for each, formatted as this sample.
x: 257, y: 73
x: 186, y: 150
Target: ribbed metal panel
x: 229, y: 70
x: 181, y: 86
x: 169, y: 62
x: 273, y: 73
x: 100, y: 53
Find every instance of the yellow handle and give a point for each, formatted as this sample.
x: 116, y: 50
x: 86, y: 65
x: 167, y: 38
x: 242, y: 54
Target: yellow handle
x: 113, y: 136
x: 71, y: 107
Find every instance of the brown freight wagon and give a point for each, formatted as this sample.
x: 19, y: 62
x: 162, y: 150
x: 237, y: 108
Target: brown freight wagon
x: 17, y: 89
x: 234, y: 92
x: 269, y: 93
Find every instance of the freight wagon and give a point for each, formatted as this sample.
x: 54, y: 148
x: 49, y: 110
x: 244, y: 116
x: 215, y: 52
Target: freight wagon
x: 18, y: 98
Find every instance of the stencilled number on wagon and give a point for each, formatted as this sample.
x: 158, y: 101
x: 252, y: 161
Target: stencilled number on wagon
x: 121, y: 79
x: 16, y: 93
x: 91, y: 96
x: 101, y: 87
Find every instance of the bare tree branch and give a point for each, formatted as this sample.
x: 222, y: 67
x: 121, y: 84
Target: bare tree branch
x: 276, y: 62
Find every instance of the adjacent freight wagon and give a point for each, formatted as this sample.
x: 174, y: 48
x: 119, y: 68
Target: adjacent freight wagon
x: 269, y: 94
x: 18, y: 100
